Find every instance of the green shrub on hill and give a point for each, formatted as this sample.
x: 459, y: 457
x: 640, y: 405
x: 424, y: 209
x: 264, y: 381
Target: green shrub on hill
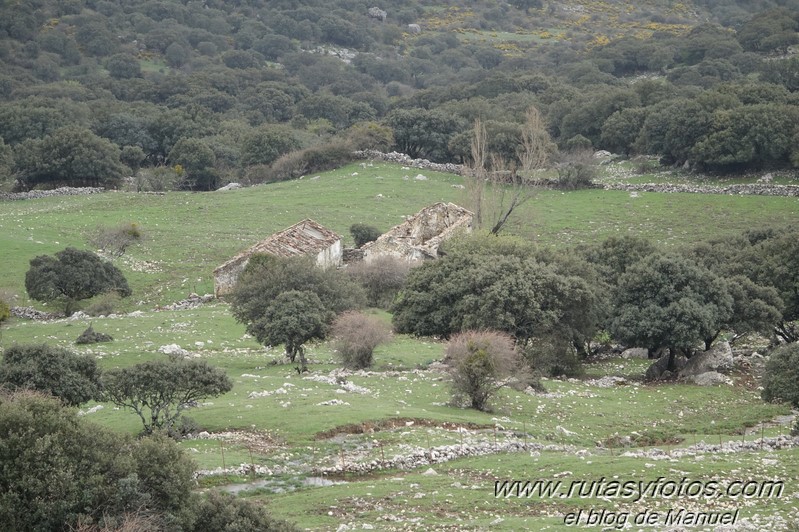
x: 73, y: 275
x: 73, y: 378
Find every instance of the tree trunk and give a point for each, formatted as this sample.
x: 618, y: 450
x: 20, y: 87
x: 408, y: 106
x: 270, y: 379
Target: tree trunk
x: 787, y: 332
x: 672, y: 366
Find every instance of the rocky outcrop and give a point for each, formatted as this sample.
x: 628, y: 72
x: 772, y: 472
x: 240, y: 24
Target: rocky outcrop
x: 376, y: 12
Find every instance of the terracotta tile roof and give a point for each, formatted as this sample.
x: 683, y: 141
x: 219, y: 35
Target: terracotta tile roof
x: 302, y: 238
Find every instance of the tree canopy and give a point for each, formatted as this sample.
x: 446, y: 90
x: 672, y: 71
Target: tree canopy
x: 159, y: 391
x: 73, y: 378
x: 72, y: 275
x: 669, y: 301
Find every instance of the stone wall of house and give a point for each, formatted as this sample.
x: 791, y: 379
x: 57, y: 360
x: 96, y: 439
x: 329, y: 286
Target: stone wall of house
x: 350, y: 255
x: 331, y: 256
x: 225, y: 279
x: 419, y: 237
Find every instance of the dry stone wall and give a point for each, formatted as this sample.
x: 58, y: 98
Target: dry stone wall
x: 63, y: 191
x: 753, y: 189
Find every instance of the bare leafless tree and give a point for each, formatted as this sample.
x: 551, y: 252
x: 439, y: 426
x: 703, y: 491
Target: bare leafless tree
x: 537, y: 147
x: 496, y: 187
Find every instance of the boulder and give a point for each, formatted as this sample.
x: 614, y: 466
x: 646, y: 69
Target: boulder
x: 718, y: 358
x: 635, y: 352
x: 414, y: 28
x: 659, y: 370
x: 229, y: 186
x: 710, y: 378
x: 376, y: 12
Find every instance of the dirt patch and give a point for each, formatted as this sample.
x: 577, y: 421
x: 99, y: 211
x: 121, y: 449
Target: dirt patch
x: 369, y: 427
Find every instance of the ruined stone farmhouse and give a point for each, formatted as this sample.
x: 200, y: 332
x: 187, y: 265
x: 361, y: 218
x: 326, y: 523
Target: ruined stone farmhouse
x: 303, y: 238
x: 420, y: 236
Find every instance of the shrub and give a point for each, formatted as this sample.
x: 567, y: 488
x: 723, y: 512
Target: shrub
x: 89, y: 336
x: 220, y: 512
x: 158, y: 179
x: 483, y: 362
x: 310, y: 160
x: 356, y: 336
x: 103, y: 305
x: 71, y: 377
x: 370, y: 136
x: 116, y: 240
x: 577, y: 169
x: 363, y: 234
x: 309, y: 298
x: 5, y: 310
x: 781, y: 377
x: 73, y: 275
x: 382, y: 278
x: 62, y: 472
x: 158, y: 391
x: 289, y: 166
x: 553, y: 358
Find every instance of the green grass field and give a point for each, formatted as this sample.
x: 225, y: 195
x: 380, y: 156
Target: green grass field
x: 188, y: 234
x: 274, y: 418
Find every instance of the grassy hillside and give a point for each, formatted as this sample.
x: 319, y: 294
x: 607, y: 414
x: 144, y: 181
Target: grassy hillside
x: 277, y: 423
x: 187, y: 235
x: 405, y: 408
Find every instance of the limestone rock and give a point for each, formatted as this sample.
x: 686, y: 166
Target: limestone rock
x: 376, y: 12
x: 717, y: 358
x: 710, y: 378
x: 635, y: 352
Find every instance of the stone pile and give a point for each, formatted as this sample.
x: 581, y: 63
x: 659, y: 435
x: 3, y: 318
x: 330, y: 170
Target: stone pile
x: 766, y: 444
x: 436, y: 455
x: 752, y: 189
x: 193, y: 301
x: 63, y: 191
x: 30, y: 313
x: 406, y: 160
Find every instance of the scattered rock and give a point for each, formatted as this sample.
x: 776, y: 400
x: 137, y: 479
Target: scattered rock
x: 91, y: 410
x: 608, y: 381
x: 173, y: 350
x: 430, y: 472
x: 192, y: 301
x: 564, y: 431
x: 333, y: 402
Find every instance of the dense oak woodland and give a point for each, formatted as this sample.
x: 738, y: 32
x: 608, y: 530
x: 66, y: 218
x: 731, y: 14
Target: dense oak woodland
x: 194, y: 94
